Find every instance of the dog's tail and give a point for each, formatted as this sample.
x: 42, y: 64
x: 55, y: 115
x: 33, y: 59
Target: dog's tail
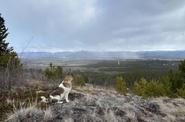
x: 51, y: 96
x: 44, y: 99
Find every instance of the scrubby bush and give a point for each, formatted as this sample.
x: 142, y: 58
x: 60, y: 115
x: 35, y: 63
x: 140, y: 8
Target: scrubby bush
x: 155, y: 88
x: 175, y: 80
x: 139, y: 87
x: 80, y: 80
x: 181, y: 91
x: 121, y: 86
x: 181, y: 68
x: 53, y: 72
x: 30, y: 114
x: 149, y: 88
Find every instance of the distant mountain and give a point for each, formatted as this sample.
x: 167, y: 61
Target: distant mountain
x: 162, y: 54
x: 79, y: 55
x: 88, y: 55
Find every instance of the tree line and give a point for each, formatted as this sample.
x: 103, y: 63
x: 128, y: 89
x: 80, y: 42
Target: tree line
x: 172, y: 84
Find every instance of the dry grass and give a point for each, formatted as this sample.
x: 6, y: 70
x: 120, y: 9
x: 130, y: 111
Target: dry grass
x: 24, y: 104
x: 95, y: 89
x: 19, y: 99
x: 172, y: 107
x: 30, y: 114
x: 48, y: 114
x: 26, y: 113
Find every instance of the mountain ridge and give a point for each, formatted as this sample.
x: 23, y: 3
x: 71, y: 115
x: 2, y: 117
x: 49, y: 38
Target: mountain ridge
x: 109, y: 55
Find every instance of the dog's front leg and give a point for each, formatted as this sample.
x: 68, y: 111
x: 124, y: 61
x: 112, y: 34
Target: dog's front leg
x: 66, y: 95
x: 62, y: 96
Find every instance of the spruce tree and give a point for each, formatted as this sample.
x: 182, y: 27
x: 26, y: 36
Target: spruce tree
x: 121, y: 86
x: 10, y: 65
x: 3, y: 35
x: 7, y: 55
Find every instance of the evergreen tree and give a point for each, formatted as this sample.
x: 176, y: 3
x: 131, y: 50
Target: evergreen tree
x: 8, y: 57
x: 9, y: 62
x: 182, y: 68
x: 139, y: 87
x: 150, y: 88
x: 121, y: 86
x: 53, y: 73
x: 181, y: 91
x: 3, y: 35
x: 79, y: 80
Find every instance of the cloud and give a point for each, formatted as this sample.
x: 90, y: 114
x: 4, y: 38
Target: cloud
x: 60, y: 25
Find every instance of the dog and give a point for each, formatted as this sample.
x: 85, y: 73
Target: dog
x: 61, y: 92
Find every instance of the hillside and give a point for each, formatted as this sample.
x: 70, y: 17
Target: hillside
x: 100, y: 105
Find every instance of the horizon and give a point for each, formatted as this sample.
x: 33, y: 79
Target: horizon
x: 100, y: 51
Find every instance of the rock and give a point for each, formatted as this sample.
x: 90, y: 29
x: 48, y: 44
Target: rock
x: 100, y: 111
x: 118, y: 112
x: 107, y: 107
x: 76, y: 95
x: 152, y: 107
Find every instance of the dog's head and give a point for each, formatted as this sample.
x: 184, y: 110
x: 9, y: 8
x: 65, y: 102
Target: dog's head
x: 67, y: 81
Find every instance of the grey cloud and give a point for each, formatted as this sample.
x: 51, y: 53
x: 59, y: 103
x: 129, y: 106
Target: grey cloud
x: 96, y: 24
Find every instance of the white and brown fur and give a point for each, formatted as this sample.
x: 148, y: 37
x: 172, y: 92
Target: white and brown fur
x: 61, y: 92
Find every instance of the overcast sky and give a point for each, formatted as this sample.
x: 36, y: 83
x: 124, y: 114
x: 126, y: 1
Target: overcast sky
x: 95, y: 25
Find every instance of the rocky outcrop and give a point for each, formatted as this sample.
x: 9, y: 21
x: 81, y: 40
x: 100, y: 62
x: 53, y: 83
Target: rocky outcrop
x: 104, y: 106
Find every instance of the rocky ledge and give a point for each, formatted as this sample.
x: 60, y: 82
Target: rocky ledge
x: 104, y: 106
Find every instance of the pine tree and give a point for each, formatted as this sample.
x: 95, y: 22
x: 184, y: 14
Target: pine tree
x: 3, y: 35
x: 9, y: 62
x: 182, y: 68
x: 53, y: 73
x: 7, y: 55
x: 121, y: 86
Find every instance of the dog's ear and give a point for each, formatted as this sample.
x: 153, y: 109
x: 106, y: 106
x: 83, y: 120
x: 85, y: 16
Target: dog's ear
x: 69, y: 72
